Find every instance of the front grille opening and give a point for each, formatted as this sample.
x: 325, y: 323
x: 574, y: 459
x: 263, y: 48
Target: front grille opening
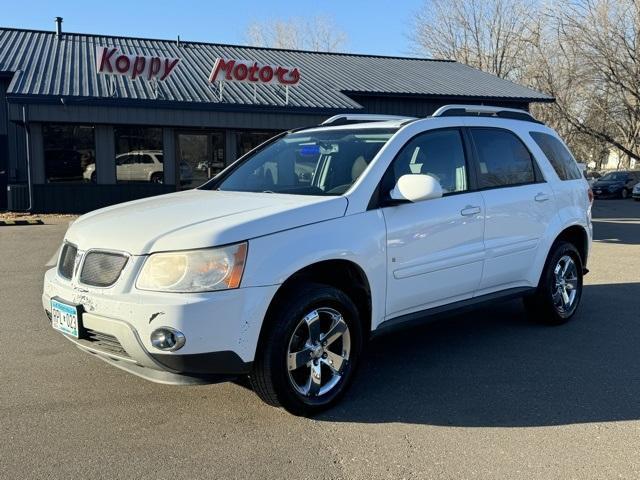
x: 105, y: 343
x: 102, y: 269
x: 67, y: 260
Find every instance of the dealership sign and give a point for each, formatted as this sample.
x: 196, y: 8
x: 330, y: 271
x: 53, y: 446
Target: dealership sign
x: 231, y: 70
x: 110, y: 61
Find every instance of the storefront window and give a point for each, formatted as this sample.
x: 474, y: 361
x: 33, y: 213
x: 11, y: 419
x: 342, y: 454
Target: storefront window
x: 200, y: 156
x: 69, y: 153
x: 139, y: 154
x: 247, y: 141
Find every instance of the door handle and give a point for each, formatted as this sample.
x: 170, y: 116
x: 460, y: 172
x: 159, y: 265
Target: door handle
x: 541, y: 197
x: 469, y: 211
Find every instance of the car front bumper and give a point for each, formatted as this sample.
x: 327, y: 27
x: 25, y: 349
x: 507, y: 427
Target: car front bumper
x: 221, y: 329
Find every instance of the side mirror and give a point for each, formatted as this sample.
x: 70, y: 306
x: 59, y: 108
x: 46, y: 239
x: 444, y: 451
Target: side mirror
x: 416, y: 188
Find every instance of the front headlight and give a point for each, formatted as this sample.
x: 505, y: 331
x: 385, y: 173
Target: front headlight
x: 203, y: 270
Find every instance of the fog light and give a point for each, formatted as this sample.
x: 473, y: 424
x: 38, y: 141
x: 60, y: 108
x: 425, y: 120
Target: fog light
x: 167, y: 339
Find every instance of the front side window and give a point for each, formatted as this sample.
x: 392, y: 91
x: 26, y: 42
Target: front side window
x: 503, y: 159
x: 69, y: 153
x: 135, y: 149
x: 323, y: 162
x: 560, y: 158
x: 439, y: 153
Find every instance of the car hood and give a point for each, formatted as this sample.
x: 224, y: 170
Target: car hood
x: 197, y: 219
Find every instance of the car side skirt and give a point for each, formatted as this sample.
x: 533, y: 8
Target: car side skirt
x: 431, y: 314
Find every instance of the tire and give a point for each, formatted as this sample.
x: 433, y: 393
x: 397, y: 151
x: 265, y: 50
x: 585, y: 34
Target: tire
x: 548, y: 305
x: 301, y: 315
x: 624, y: 193
x: 157, y: 178
x: 637, y: 199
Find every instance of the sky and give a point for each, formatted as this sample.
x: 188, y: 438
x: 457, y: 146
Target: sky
x: 372, y: 26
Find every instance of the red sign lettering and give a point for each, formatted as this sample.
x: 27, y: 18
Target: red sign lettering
x: 231, y: 70
x: 112, y: 62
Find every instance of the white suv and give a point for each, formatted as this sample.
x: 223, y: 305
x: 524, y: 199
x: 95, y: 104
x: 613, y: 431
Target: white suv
x: 282, y: 266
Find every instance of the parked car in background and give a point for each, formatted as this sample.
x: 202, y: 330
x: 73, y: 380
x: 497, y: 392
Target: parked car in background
x: 592, y: 177
x: 616, y: 184
x: 283, y: 265
x: 141, y: 166
x: 635, y: 193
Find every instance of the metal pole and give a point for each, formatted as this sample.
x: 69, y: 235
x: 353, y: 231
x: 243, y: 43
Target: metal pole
x: 28, y: 150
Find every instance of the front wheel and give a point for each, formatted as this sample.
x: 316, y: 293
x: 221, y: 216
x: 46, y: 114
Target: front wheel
x: 625, y: 193
x: 310, y: 350
x: 560, y: 289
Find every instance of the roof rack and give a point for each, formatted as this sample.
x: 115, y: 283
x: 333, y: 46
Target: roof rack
x: 349, y: 118
x: 484, y: 111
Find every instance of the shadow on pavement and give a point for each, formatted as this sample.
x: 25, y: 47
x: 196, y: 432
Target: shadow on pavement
x: 493, y: 368
x: 616, y: 221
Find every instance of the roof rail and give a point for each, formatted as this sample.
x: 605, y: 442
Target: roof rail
x: 348, y: 118
x: 484, y: 110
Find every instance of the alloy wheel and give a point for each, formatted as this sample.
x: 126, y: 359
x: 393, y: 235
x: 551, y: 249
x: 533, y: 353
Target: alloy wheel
x: 565, y: 287
x: 318, y: 353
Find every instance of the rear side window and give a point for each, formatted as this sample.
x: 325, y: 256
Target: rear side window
x: 503, y: 159
x: 558, y: 155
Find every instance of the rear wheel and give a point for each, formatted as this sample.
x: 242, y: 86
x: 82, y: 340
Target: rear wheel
x: 157, y: 178
x: 560, y: 289
x: 310, y: 350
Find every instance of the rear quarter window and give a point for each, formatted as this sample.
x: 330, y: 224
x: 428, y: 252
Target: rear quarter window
x: 558, y: 155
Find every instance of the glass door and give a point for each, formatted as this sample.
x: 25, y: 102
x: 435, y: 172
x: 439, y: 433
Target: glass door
x: 200, y: 156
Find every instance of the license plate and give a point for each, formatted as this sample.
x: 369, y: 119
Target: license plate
x: 598, y: 192
x: 64, y: 318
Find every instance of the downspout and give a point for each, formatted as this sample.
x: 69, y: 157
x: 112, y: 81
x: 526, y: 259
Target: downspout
x: 28, y: 151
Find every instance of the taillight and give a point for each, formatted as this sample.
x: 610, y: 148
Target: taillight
x: 590, y: 193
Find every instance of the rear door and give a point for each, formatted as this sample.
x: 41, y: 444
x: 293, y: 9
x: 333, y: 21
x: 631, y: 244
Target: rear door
x: 519, y: 207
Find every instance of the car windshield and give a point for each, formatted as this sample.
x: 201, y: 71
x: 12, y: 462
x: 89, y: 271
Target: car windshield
x: 321, y: 162
x: 615, y: 177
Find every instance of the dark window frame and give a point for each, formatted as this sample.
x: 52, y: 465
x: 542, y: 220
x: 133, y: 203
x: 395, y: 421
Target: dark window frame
x: 538, y: 177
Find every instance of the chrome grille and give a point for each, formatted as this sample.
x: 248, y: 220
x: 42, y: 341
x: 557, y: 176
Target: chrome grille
x: 102, y: 269
x: 67, y: 261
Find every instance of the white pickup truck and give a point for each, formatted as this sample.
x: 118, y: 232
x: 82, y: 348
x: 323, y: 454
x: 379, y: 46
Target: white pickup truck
x: 283, y: 265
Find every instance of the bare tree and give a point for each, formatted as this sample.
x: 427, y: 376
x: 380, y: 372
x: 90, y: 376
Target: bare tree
x: 319, y: 33
x: 491, y: 35
x: 585, y: 53
x: 603, y: 37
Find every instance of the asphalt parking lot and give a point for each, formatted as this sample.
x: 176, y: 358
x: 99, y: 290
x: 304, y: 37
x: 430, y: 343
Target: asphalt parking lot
x: 482, y: 395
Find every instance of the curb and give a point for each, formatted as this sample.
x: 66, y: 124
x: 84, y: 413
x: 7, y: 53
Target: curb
x: 9, y: 223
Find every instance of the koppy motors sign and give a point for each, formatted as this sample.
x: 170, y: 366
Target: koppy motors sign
x: 231, y: 70
x: 109, y: 60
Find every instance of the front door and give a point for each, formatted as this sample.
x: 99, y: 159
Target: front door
x: 435, y: 247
